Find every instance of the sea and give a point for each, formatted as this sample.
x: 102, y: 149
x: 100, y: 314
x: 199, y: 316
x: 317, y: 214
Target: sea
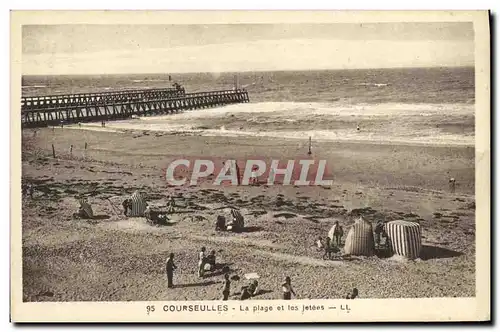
x: 430, y: 106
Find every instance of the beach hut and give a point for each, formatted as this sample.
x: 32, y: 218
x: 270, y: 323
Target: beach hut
x: 405, y: 238
x: 359, y: 240
x: 138, y: 205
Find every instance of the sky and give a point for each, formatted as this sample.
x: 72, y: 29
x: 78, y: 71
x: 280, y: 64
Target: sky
x: 123, y: 49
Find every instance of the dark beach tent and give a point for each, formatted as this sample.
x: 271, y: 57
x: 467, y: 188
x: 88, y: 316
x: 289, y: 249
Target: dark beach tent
x: 359, y: 240
x: 138, y: 205
x: 87, y: 209
x: 405, y: 238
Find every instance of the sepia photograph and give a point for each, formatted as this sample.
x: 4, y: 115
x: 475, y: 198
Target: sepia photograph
x: 204, y: 166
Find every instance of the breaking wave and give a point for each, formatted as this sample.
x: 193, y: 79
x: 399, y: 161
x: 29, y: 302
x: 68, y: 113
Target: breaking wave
x: 390, y: 123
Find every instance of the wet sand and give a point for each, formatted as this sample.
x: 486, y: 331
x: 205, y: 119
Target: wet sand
x: 119, y: 259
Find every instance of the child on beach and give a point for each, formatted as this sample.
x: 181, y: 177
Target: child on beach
x: 328, y: 249
x: 353, y: 295
x: 319, y: 243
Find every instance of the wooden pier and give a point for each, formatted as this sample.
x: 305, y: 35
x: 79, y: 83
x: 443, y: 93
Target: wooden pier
x: 64, y: 101
x: 83, y: 109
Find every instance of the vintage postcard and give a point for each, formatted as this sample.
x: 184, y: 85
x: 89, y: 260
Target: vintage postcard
x: 316, y: 166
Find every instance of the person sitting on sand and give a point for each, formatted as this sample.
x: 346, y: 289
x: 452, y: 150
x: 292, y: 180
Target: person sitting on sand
x: 127, y: 205
x: 211, y: 260
x: 287, y: 289
x: 353, y: 295
x: 253, y: 289
x: 380, y: 232
x: 245, y: 293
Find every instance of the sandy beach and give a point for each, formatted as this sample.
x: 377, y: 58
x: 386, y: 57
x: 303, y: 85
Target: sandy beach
x: 115, y: 258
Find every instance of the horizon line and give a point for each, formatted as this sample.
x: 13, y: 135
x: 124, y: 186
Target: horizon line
x: 251, y: 71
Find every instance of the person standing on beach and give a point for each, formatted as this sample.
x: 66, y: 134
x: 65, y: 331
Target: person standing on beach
x: 328, y: 248
x: 227, y: 287
x: 170, y: 270
x: 338, y: 233
x: 287, y: 289
x: 452, y: 183
x: 201, y: 262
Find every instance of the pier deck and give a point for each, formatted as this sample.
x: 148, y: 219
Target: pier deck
x: 70, y: 100
x: 85, y: 110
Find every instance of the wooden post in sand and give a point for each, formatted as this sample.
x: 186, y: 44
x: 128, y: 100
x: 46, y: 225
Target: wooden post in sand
x: 71, y: 150
x: 309, y: 152
x: 53, y: 151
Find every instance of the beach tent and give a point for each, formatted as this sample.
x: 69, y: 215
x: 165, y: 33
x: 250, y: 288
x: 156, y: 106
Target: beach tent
x: 138, y: 205
x: 405, y: 238
x: 87, y: 209
x: 359, y: 240
x: 236, y: 222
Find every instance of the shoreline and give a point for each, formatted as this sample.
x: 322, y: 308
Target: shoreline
x: 248, y: 135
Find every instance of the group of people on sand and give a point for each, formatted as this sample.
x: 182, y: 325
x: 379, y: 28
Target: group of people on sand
x: 332, y: 245
x: 247, y: 292
x: 28, y: 190
x: 206, y: 261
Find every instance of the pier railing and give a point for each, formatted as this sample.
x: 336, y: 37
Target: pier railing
x: 120, y: 109
x: 69, y: 100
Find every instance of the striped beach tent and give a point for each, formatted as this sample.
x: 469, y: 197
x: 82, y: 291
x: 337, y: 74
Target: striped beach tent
x: 138, y: 205
x: 405, y: 238
x: 87, y: 209
x: 359, y: 240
